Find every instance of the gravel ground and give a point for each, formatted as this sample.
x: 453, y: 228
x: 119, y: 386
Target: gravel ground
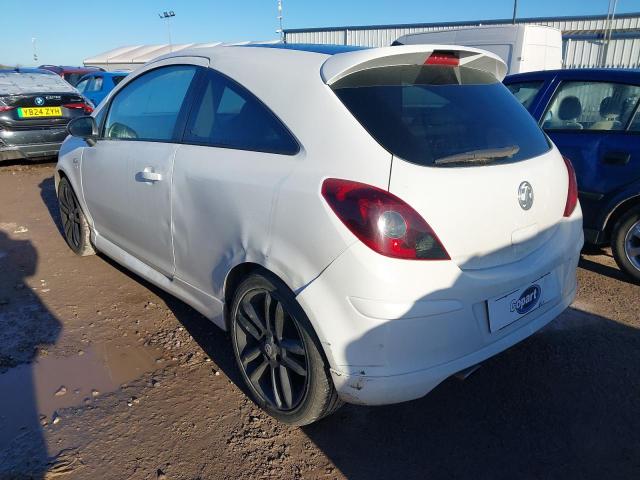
x: 103, y: 376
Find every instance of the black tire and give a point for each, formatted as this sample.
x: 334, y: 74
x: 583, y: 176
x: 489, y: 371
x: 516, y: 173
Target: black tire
x: 75, y: 228
x: 274, y: 343
x: 625, y: 243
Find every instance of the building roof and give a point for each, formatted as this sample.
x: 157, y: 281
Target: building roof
x: 470, y: 23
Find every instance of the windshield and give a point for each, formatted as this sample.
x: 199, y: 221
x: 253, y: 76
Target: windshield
x: 457, y: 115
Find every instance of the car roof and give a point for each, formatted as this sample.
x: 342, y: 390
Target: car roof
x: 70, y: 69
x: 594, y: 74
x: 115, y: 73
x: 26, y: 70
x: 336, y: 61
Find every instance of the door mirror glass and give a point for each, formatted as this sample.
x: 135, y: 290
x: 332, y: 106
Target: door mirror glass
x: 83, y: 127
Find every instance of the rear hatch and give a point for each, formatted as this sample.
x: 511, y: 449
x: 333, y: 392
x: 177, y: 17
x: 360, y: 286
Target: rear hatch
x: 467, y: 156
x: 32, y: 100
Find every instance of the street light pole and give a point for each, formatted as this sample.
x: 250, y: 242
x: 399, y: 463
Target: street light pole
x: 168, y: 16
x: 280, y: 30
x: 35, y: 51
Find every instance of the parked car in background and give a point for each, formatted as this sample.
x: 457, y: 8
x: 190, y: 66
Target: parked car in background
x: 256, y: 183
x: 524, y: 48
x: 70, y: 74
x: 592, y: 116
x: 35, y: 107
x: 96, y: 86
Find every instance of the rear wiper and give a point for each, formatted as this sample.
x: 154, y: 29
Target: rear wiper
x: 479, y: 156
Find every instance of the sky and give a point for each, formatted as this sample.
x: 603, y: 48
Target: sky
x: 67, y: 31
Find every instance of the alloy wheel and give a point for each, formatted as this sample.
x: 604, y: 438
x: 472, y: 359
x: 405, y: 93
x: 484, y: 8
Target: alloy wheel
x: 71, y: 216
x: 632, y: 245
x: 271, y: 350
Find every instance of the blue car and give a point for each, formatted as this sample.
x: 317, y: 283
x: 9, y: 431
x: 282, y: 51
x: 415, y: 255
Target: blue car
x: 592, y: 116
x: 97, y: 85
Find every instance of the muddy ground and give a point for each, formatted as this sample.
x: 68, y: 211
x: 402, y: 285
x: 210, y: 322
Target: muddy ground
x: 103, y: 376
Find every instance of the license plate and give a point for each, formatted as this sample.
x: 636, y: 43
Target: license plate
x: 506, y: 309
x: 32, y: 112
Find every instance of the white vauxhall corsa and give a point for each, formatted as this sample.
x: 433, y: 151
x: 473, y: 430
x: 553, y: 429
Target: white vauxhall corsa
x: 364, y: 222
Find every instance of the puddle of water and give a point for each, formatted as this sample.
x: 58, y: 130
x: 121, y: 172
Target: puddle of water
x: 29, y: 390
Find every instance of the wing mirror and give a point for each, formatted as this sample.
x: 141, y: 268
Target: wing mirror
x: 84, y: 127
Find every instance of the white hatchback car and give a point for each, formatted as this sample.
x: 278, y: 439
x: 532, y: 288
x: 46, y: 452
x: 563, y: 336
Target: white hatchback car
x: 364, y: 222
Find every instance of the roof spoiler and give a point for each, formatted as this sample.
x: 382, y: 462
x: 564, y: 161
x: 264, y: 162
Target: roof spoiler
x: 340, y: 65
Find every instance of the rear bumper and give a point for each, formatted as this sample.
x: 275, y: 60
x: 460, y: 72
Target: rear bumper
x: 369, y: 390
x: 31, y: 143
x: 29, y: 152
x: 392, y: 330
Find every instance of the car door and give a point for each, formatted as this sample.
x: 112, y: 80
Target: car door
x: 126, y: 175
x: 234, y: 154
x: 589, y: 121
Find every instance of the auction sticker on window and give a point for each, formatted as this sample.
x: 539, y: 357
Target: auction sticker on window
x: 508, y: 308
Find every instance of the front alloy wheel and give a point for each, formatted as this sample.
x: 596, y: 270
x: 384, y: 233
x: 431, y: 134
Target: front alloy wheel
x: 75, y: 227
x: 278, y: 353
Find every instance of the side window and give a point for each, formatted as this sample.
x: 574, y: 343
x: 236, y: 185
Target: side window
x: 591, y: 106
x: 95, y: 85
x: 82, y: 86
x: 117, y: 80
x: 148, y: 107
x: 227, y: 115
x: 525, y: 92
x: 99, y: 117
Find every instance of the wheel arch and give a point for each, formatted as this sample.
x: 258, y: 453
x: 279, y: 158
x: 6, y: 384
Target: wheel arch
x: 618, y: 212
x: 58, y: 175
x: 234, y: 278
x: 241, y: 271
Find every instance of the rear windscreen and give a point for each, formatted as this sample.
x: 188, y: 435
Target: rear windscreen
x: 14, y: 83
x: 433, y: 115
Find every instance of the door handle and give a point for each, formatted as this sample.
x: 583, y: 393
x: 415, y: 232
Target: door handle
x: 616, y: 158
x: 148, y: 175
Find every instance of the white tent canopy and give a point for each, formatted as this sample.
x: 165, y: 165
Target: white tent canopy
x: 130, y: 57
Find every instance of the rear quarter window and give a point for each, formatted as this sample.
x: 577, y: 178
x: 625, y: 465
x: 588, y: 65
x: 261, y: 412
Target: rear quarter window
x: 424, y: 114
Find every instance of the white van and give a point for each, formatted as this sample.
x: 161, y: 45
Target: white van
x: 524, y: 48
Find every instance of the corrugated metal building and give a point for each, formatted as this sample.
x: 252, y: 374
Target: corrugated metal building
x: 584, y: 39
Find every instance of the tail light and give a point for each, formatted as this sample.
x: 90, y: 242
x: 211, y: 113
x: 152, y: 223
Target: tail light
x: 443, y: 58
x: 572, y: 193
x: 78, y: 106
x: 4, y: 108
x: 382, y: 221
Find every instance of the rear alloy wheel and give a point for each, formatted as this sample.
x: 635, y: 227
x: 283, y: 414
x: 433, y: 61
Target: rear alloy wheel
x: 626, y: 243
x: 75, y: 227
x: 279, y: 354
